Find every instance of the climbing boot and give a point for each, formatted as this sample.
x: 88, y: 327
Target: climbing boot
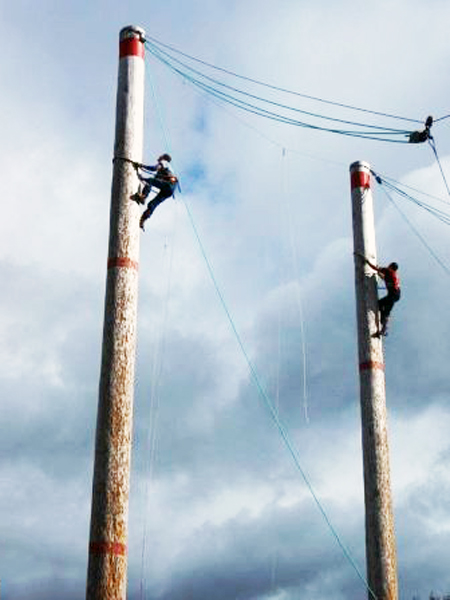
x: 139, y: 198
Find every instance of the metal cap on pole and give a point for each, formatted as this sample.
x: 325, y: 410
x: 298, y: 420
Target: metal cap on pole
x: 380, y: 537
x: 107, y: 569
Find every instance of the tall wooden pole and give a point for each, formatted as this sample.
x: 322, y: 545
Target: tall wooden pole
x: 380, y: 537
x: 107, y: 569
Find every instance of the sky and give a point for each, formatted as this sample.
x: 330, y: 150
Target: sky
x: 218, y: 508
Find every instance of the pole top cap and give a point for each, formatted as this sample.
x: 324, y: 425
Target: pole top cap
x: 132, y: 31
x: 359, y: 165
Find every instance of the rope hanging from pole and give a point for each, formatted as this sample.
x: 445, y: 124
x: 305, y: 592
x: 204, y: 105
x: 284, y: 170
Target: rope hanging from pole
x: 282, y: 430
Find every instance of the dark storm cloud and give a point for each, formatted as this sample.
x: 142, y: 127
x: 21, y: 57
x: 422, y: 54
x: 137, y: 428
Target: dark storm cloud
x: 318, y: 338
x: 255, y: 557
x: 56, y: 586
x: 240, y: 438
x: 424, y: 516
x: 192, y: 423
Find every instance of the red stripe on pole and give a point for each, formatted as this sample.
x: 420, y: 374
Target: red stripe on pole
x: 114, y: 548
x: 122, y: 261
x: 371, y: 364
x: 131, y: 47
x: 360, y: 179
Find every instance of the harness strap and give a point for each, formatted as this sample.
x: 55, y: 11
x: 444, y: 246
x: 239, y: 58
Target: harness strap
x: 125, y: 159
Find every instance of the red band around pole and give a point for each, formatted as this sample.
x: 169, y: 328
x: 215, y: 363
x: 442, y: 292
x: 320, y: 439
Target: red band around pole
x: 360, y: 179
x: 122, y: 261
x: 114, y: 548
x: 131, y: 47
x: 371, y: 364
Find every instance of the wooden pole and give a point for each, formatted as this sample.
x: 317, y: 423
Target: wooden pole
x: 107, y: 568
x: 380, y: 537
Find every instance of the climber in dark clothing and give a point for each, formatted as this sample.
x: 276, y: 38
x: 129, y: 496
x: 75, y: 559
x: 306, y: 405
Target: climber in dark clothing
x: 163, y: 179
x: 390, y: 276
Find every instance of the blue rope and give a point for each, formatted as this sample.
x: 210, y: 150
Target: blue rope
x: 443, y: 216
x: 418, y: 234
x: 160, y: 56
x: 280, y: 89
x: 433, y: 147
x: 254, y: 109
x: 262, y: 392
x: 273, y: 413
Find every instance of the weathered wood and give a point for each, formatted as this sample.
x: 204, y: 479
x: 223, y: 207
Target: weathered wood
x: 380, y: 537
x: 107, y: 569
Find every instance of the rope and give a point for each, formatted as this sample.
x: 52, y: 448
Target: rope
x: 433, y: 147
x: 157, y: 369
x: 441, y: 118
x: 395, y: 183
x: 154, y: 411
x: 269, y: 139
x: 151, y: 450
x: 443, y: 216
x: 294, y: 256
x: 279, y: 145
x: 418, y: 234
x: 280, y: 89
x: 273, y: 103
x: 272, y: 411
x: 157, y: 366
x: 372, y: 133
x: 273, y: 574
x: 123, y: 158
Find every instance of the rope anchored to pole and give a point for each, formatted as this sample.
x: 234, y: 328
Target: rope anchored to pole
x: 135, y: 164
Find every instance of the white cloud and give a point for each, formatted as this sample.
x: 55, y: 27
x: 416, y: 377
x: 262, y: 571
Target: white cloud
x: 225, y: 500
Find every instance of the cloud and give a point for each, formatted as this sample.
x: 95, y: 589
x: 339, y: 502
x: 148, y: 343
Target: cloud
x: 256, y: 555
x: 222, y: 509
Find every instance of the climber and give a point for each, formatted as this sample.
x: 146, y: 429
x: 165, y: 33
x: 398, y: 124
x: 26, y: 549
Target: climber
x: 390, y: 276
x: 163, y: 179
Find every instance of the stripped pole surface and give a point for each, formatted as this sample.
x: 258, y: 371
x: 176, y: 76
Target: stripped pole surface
x: 380, y: 537
x: 107, y: 569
